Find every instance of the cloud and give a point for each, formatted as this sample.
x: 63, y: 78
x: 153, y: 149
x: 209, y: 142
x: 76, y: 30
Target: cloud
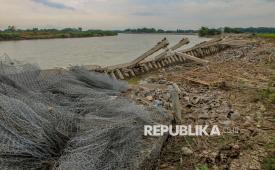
x: 51, y: 4
x: 145, y: 14
x: 121, y: 14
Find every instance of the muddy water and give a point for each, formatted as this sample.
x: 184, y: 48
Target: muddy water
x: 85, y: 51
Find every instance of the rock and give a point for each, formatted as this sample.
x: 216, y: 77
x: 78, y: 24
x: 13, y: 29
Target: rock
x: 226, y: 123
x: 205, y: 153
x: 187, y: 99
x: 142, y: 82
x: 247, y: 124
x: 236, y: 147
x: 176, y: 87
x: 150, y: 98
x: 259, y: 116
x: 186, y: 151
x: 235, y: 115
x: 153, y: 79
x: 163, y: 165
x: 169, y: 83
x: 141, y: 88
x: 162, y: 81
x: 167, y: 97
x: 157, y: 103
x: 196, y: 100
x: 262, y: 108
x: 248, y: 118
x: 203, y: 116
x: 50, y: 109
x: 223, y: 109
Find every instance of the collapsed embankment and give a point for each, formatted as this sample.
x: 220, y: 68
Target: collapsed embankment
x: 235, y: 91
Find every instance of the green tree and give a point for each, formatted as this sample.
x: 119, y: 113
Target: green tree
x: 11, y: 28
x: 203, y: 31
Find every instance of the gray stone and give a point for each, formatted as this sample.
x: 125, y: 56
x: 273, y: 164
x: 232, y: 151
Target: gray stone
x: 186, y: 151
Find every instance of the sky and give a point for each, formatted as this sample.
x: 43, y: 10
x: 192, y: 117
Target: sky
x: 122, y: 14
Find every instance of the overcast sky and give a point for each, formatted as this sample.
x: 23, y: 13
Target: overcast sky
x: 121, y: 14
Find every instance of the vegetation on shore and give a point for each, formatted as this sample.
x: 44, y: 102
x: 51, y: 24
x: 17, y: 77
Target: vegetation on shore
x: 11, y: 33
x: 205, y: 31
x: 266, y: 35
x: 265, y: 31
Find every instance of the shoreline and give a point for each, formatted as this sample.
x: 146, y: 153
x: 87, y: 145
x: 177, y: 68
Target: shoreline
x: 48, y: 38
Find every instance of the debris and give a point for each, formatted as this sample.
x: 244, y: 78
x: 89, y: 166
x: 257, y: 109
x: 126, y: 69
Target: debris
x: 175, y: 102
x: 189, y: 57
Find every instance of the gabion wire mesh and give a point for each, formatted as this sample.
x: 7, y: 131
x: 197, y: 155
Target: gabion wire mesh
x: 60, y: 119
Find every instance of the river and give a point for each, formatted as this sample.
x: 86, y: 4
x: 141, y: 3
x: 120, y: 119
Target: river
x: 102, y: 51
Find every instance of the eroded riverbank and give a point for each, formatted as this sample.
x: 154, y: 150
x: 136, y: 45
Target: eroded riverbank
x: 235, y: 90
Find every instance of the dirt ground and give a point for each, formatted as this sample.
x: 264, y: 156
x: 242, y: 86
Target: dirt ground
x: 236, y: 91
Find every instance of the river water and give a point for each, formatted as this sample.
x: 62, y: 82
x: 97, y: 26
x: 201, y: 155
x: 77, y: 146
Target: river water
x: 102, y: 51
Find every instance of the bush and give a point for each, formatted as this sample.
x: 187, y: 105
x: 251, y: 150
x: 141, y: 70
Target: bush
x: 9, y: 36
x: 204, y: 31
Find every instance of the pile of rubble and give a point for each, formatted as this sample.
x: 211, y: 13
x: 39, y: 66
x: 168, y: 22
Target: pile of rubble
x: 252, y: 53
x: 196, y: 103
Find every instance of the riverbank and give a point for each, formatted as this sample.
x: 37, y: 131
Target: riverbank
x: 31, y: 35
x: 234, y: 91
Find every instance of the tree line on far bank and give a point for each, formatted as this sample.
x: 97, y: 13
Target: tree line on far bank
x: 154, y: 30
x: 12, y: 33
x: 205, y: 31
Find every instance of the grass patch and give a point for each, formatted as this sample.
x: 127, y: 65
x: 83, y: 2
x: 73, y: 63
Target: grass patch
x: 266, y: 35
x: 225, y: 139
x: 202, y: 167
x: 268, y: 95
x: 134, y: 80
x: 271, y: 145
x: 269, y: 163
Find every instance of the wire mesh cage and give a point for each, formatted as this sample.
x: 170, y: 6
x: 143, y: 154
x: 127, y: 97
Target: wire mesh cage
x: 68, y: 119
